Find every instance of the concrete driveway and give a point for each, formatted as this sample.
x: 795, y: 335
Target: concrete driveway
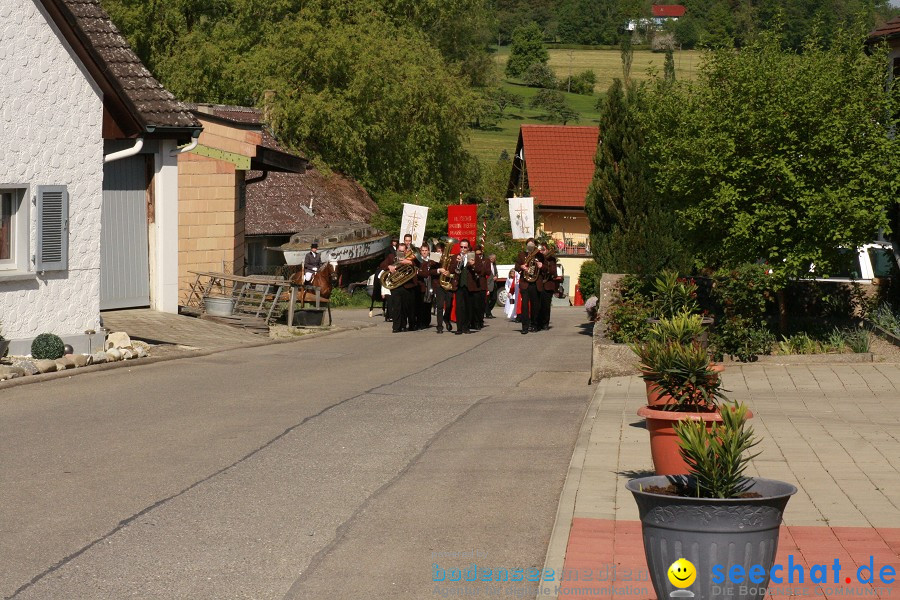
x: 342, y: 467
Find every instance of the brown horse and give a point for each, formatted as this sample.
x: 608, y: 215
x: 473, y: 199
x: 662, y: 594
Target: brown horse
x: 325, y: 279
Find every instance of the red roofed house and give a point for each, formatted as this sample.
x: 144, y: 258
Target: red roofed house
x: 555, y: 165
x: 890, y: 34
x: 660, y: 14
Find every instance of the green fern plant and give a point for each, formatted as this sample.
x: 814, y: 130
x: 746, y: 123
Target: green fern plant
x: 717, y: 457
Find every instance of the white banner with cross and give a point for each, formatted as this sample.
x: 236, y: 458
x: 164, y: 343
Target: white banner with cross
x: 413, y: 222
x: 521, y: 217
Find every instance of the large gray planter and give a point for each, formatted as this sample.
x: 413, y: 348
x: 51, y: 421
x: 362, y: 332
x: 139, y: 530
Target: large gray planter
x: 710, y: 532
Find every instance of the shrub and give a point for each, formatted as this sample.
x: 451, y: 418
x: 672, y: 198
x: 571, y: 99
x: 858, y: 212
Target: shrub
x: 746, y: 292
x: 683, y: 328
x: 885, y: 317
x: 47, y: 346
x: 583, y: 83
x: 716, y: 456
x: 539, y: 75
x: 589, y: 278
x: 674, y: 295
x: 683, y: 371
x: 741, y: 338
x: 626, y: 322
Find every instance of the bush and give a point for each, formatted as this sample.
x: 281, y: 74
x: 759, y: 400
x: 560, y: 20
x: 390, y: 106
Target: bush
x: 741, y: 338
x: 746, y: 292
x: 47, y: 346
x: 583, y: 83
x: 539, y: 75
x: 589, y: 278
x: 663, y: 42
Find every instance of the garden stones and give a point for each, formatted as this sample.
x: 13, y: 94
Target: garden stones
x: 27, y: 366
x: 118, y: 339
x: 46, y: 365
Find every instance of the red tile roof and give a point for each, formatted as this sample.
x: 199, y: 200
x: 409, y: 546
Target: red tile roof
x: 889, y: 30
x: 559, y: 162
x: 668, y: 10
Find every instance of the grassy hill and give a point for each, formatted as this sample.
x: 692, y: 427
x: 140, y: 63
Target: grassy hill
x: 606, y: 64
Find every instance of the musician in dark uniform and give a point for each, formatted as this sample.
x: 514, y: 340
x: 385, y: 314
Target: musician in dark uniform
x: 401, y: 303
x: 547, y: 286
x: 427, y: 269
x: 465, y: 283
x: 416, y: 294
x: 528, y: 289
x: 479, y: 298
x: 443, y: 299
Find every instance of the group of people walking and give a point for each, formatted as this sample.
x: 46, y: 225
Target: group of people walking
x: 466, y: 282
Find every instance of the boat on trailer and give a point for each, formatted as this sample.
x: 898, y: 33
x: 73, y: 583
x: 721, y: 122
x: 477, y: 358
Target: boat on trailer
x: 345, y: 243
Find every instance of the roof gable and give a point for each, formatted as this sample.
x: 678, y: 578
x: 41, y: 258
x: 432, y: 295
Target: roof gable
x: 139, y: 99
x: 890, y: 30
x: 559, y: 162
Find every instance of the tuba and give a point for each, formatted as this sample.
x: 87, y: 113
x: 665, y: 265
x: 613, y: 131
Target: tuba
x: 446, y: 279
x: 401, y: 274
x: 530, y: 271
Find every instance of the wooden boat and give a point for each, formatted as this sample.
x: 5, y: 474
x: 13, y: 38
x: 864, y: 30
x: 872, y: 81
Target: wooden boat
x: 342, y: 242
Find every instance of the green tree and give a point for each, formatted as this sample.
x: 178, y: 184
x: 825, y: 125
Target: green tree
x: 554, y: 105
x: 779, y: 156
x: 669, y: 66
x: 527, y: 49
x: 631, y: 232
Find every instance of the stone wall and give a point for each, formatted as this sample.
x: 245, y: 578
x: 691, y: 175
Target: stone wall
x: 608, y: 358
x: 51, y: 117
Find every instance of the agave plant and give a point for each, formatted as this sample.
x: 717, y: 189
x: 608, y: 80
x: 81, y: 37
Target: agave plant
x: 717, y: 457
x: 682, y: 371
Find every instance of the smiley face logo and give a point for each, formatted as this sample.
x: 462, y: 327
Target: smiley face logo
x: 682, y: 573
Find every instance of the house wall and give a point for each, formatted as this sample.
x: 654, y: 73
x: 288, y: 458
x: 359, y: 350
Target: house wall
x: 211, y: 222
x: 51, y: 117
x: 568, y: 225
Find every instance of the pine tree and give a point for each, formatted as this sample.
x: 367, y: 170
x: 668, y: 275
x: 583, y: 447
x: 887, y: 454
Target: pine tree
x: 669, y: 67
x: 630, y: 231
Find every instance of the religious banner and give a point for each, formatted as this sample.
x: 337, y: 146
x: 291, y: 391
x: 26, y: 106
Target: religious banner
x: 413, y: 222
x: 462, y: 222
x: 521, y: 217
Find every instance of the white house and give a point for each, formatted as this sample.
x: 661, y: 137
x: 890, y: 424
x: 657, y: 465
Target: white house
x: 88, y: 174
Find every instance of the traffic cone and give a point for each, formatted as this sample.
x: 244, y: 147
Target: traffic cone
x: 579, y: 301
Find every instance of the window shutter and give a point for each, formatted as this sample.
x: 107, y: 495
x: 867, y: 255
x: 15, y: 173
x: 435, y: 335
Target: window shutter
x: 52, y: 228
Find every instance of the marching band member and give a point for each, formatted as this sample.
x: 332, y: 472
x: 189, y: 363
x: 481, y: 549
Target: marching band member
x: 443, y: 299
x: 465, y: 282
x: 547, y: 285
x: 415, y: 302
x: 492, y: 288
x: 427, y: 268
x: 401, y: 297
x: 479, y: 298
x: 527, y: 289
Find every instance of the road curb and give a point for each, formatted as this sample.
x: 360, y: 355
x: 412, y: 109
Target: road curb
x: 31, y: 379
x: 562, y: 526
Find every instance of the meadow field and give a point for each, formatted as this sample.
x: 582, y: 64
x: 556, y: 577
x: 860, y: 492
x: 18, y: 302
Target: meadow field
x: 487, y: 144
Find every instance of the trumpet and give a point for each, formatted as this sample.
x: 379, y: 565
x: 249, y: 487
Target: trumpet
x: 446, y: 279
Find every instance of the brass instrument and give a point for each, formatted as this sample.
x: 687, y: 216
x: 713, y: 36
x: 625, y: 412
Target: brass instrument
x: 530, y: 270
x: 446, y: 279
x: 402, y: 272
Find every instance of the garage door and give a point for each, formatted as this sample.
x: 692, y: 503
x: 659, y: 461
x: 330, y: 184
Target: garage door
x: 124, y: 252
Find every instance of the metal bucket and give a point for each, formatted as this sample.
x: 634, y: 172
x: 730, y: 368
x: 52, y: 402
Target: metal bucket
x: 218, y: 306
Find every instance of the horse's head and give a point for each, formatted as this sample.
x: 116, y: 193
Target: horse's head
x: 333, y: 271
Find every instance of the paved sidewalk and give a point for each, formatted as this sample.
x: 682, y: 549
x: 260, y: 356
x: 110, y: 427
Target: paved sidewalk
x: 832, y: 430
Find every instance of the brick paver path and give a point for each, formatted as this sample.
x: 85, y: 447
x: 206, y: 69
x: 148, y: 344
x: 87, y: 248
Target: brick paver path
x: 832, y: 430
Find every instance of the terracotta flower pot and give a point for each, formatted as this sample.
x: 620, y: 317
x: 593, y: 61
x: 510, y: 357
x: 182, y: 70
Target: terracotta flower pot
x: 657, y: 397
x: 664, y: 447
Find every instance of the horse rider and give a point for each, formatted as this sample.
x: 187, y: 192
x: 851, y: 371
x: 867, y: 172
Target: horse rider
x: 312, y: 263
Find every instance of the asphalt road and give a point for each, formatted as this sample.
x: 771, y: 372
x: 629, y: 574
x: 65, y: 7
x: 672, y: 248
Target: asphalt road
x: 346, y: 466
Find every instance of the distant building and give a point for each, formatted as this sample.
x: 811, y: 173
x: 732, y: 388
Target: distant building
x: 555, y: 165
x: 661, y: 13
x: 890, y: 34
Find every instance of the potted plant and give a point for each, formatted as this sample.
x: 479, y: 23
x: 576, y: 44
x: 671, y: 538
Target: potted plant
x: 714, y: 516
x: 682, y: 385
x: 673, y: 295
